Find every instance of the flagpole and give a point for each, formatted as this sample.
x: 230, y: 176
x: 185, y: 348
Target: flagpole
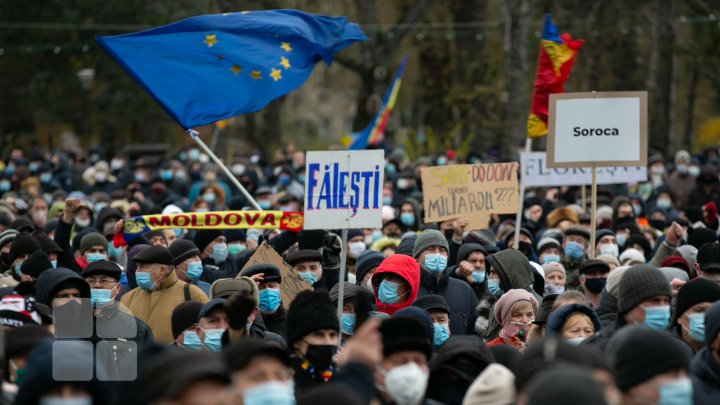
x: 518, y: 216
x: 341, y: 282
x: 195, y: 135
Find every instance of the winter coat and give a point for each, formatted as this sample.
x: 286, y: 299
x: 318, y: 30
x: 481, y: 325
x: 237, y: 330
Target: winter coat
x: 404, y: 267
x: 459, y: 296
x: 680, y: 187
x: 464, y: 251
x: 705, y: 376
x: 572, y: 273
x: 155, y: 307
x: 275, y: 322
x: 607, y: 309
x: 515, y: 272
x: 62, y: 238
x: 212, y: 272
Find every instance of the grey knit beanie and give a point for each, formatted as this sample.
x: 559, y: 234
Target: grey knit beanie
x: 638, y: 284
x: 92, y: 239
x: 429, y: 238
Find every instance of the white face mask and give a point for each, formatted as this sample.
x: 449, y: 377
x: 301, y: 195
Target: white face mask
x: 610, y: 249
x: 83, y: 223
x: 355, y: 248
x: 406, y: 384
x: 369, y: 285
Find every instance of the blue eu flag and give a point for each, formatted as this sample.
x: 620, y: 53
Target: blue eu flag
x: 207, y: 68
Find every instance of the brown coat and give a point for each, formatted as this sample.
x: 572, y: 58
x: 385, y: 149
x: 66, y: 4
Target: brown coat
x: 155, y: 307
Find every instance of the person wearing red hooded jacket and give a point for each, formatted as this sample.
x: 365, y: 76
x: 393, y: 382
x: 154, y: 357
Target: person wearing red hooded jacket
x: 395, y: 283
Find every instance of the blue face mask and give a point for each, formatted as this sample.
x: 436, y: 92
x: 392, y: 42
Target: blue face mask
x: 213, y: 339
x: 178, y: 232
x: 94, y: 257
x: 269, y: 299
x: 166, y: 175
x: 478, y: 276
x: 697, y: 326
x: 274, y: 392
x: 494, y: 287
x: 387, y: 200
x: 17, y: 269
x: 301, y: 178
x: 100, y: 297
x: 347, y: 324
x: 113, y: 251
x: 284, y: 180
x: 123, y: 278
x: 54, y: 263
x: 194, y: 270
x: 435, y: 263
x: 551, y: 259
x: 219, y: 253
x: 575, y: 341
x: 620, y: 240
x: 209, y: 198
x: 390, y: 168
x: 4, y: 185
x: 407, y: 218
x: 264, y: 204
x: 387, y: 293
x: 308, y: 276
x: 377, y: 234
x: 191, y: 341
x: 236, y: 249
x: 45, y: 178
x: 663, y: 203
x: 440, y: 335
x: 657, y: 318
x: 144, y: 281
x: 574, y: 250
x: 676, y: 392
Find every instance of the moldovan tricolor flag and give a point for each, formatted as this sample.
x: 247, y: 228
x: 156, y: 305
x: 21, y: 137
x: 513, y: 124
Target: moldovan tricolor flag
x: 555, y: 59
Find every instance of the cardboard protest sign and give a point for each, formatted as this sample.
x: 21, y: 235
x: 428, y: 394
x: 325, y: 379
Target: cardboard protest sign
x: 470, y: 191
x: 597, y: 129
x: 344, y: 189
x: 535, y: 173
x: 291, y: 284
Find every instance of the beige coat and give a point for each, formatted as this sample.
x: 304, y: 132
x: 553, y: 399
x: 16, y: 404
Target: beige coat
x: 155, y: 307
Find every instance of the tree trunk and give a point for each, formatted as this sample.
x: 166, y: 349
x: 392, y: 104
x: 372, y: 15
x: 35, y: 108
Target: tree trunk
x: 660, y: 75
x: 517, y: 19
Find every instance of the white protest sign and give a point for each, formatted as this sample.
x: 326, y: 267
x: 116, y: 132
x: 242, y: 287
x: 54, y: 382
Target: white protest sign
x: 344, y: 189
x: 597, y: 129
x: 536, y: 173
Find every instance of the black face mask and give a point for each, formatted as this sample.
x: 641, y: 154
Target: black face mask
x: 658, y: 224
x: 527, y: 249
x: 321, y: 356
x: 595, y: 285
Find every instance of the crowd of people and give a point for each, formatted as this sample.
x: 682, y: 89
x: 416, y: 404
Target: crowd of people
x: 432, y: 313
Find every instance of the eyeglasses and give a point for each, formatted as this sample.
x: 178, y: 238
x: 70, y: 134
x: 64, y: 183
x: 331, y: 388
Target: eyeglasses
x: 105, y: 282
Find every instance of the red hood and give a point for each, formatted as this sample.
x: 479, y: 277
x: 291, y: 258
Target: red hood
x: 405, y: 267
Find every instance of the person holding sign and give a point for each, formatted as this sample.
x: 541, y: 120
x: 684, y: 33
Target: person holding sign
x: 431, y: 252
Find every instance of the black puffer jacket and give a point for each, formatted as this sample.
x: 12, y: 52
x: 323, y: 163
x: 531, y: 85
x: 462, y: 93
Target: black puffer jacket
x: 515, y: 272
x: 705, y: 376
x: 458, y: 295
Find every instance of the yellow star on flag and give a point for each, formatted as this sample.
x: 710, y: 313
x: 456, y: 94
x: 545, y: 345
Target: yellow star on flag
x: 286, y: 46
x: 236, y: 69
x: 276, y: 74
x: 210, y: 40
x: 255, y: 74
x: 285, y: 62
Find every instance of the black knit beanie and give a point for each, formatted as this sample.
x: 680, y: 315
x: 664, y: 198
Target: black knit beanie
x: 184, y: 316
x: 577, y: 387
x: 639, y: 353
x: 23, y: 245
x: 36, y: 264
x: 638, y: 284
x: 693, y: 293
x: 310, y: 311
x: 204, y: 237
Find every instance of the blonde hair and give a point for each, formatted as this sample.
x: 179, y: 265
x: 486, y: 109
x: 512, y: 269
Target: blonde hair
x: 576, y: 318
x: 518, y: 305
